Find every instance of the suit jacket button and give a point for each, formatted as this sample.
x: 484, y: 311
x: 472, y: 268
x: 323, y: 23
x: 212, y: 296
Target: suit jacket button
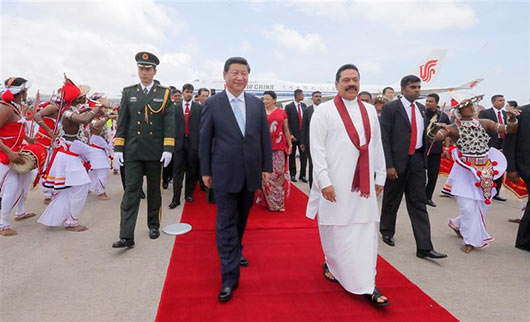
x: 138, y: 112
x: 138, y: 122
x: 150, y: 133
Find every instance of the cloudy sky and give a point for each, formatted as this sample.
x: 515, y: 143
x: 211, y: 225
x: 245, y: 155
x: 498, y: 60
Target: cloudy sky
x: 94, y: 42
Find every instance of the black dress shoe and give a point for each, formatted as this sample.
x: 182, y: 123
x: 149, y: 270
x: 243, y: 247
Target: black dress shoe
x: 165, y: 185
x: 142, y: 194
x: 226, y: 293
x: 243, y: 261
x: 154, y: 233
x: 498, y: 198
x: 430, y: 254
x: 293, y: 179
x: 189, y: 198
x: 389, y: 240
x: 122, y: 243
x: 174, y: 204
x: 431, y: 203
x: 303, y: 179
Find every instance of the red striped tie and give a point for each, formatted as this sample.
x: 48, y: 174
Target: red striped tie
x: 499, y: 117
x: 414, y: 130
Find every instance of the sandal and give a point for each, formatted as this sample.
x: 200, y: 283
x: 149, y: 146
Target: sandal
x: 25, y: 216
x: 328, y: 275
x: 375, y: 296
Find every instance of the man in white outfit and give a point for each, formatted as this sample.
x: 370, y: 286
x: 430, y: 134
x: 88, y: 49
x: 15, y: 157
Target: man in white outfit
x: 349, y: 172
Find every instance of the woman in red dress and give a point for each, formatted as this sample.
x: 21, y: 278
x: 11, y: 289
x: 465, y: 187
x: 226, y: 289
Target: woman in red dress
x: 274, y: 192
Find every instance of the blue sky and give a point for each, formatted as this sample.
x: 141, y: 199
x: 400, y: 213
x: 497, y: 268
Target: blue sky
x: 94, y: 42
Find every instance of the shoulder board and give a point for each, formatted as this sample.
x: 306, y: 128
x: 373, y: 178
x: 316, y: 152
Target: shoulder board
x: 161, y: 86
x: 131, y: 86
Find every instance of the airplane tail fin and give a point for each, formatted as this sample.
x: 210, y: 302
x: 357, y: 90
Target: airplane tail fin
x: 470, y: 85
x: 429, y: 67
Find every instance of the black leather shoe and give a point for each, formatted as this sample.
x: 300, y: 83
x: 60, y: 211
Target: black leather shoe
x: 174, y: 204
x: 226, y: 293
x: 165, y: 185
x: 142, y: 194
x: 154, y: 233
x: 389, y: 240
x: 189, y: 198
x: 122, y: 243
x: 498, y: 198
x: 303, y: 179
x: 430, y: 254
x: 243, y: 261
x: 431, y: 203
x: 293, y: 179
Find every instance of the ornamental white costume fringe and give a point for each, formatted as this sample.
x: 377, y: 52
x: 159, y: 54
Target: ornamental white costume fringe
x: 100, y: 163
x: 348, y: 227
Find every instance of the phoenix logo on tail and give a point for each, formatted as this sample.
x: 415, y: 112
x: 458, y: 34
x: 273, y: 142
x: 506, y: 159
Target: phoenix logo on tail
x: 427, y: 70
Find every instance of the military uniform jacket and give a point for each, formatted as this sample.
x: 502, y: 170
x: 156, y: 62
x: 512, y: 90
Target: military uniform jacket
x: 146, y: 123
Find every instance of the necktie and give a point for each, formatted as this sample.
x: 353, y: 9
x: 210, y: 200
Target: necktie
x: 145, y: 91
x: 299, y: 116
x: 239, y: 116
x: 186, y: 118
x: 414, y: 130
x: 499, y: 117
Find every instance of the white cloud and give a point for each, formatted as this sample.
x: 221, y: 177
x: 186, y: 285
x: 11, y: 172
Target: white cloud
x: 245, y: 46
x: 366, y: 66
x: 293, y: 40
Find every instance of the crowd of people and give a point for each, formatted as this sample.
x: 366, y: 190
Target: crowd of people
x: 233, y: 144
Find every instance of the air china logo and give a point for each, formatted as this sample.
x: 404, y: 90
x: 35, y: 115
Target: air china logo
x: 427, y: 70
x: 473, y: 84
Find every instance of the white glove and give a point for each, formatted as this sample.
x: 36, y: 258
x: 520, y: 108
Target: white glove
x: 166, y: 158
x: 118, y: 156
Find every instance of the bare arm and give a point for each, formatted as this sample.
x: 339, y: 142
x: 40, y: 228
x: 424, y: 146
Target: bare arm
x: 287, y: 134
x: 85, y: 117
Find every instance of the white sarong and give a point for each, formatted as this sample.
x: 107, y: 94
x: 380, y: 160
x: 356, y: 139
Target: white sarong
x: 65, y: 207
x: 14, y: 189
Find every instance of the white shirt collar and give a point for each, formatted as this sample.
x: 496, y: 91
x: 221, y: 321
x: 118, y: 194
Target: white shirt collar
x: 184, y: 102
x: 241, y: 96
x: 148, y: 87
x: 406, y: 102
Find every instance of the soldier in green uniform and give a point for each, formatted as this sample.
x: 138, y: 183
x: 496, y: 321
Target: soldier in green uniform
x: 145, y: 137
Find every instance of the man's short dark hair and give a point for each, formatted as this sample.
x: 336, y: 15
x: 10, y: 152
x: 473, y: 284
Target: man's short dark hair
x: 187, y: 87
x: 315, y: 92
x: 435, y: 96
x: 297, y: 92
x: 177, y: 91
x: 494, y: 97
x: 345, y: 67
x: 236, y: 60
x: 409, y: 79
x: 512, y: 103
x: 271, y: 93
x: 365, y: 93
x: 386, y: 89
x: 202, y: 89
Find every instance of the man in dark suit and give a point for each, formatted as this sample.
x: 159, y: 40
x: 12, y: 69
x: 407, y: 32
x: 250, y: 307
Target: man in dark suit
x: 403, y: 132
x: 498, y: 115
x: 433, y: 114
x: 316, y: 97
x: 517, y: 151
x: 236, y: 155
x: 295, y: 113
x: 186, y: 154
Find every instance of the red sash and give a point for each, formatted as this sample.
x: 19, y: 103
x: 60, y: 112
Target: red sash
x: 361, y: 177
x: 12, y: 134
x: 42, y: 136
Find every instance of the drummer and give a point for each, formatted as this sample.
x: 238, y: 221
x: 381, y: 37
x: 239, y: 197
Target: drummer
x: 12, y: 135
x: 66, y: 172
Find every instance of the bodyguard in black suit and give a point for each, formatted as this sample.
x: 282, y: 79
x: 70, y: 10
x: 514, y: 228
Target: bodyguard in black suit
x: 517, y: 152
x: 235, y: 155
x: 316, y: 96
x: 498, y: 115
x: 186, y: 155
x: 403, y: 131
x: 295, y: 113
x: 434, y: 152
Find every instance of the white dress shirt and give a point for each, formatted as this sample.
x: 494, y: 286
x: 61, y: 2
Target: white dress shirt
x: 148, y: 87
x: 184, y: 106
x: 420, y: 126
x: 301, y: 107
x: 241, y: 103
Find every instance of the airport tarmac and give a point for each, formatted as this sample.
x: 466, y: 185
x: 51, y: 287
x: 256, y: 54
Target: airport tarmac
x: 49, y: 274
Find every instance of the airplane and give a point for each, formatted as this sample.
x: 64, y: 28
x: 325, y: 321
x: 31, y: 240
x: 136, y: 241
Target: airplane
x: 427, y: 70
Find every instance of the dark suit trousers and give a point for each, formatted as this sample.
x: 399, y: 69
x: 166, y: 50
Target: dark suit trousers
x: 232, y: 215
x: 122, y: 176
x: 412, y: 183
x: 167, y: 172
x: 433, y: 167
x: 292, y: 160
x: 130, y: 203
x: 186, y: 161
x: 310, y: 169
x: 523, y: 234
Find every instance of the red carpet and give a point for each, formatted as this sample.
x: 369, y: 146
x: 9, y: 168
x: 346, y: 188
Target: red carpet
x: 284, y: 279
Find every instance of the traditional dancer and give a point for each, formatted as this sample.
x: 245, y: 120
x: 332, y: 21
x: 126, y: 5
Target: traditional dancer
x: 13, y: 186
x: 66, y: 173
x: 349, y: 172
x: 476, y: 167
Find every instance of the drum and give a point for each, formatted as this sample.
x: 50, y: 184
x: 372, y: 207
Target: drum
x: 31, y: 156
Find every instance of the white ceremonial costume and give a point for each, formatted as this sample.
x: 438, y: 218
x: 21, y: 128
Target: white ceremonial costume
x: 99, y: 163
x: 348, y: 227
